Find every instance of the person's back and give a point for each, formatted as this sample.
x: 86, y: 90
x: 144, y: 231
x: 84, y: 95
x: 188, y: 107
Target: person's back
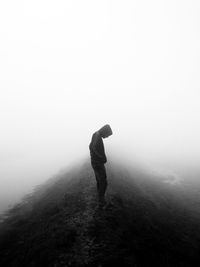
x: 98, y: 159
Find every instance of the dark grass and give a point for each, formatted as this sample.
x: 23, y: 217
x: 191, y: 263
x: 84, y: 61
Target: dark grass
x: 144, y: 224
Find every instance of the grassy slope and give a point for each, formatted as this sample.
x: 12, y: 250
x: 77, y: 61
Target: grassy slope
x: 144, y: 224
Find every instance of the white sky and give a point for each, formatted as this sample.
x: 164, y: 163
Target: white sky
x: 69, y: 67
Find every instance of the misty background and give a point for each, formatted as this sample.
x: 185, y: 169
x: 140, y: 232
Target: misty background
x: 69, y: 67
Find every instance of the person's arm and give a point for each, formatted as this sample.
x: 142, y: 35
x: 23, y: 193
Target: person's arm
x: 95, y: 150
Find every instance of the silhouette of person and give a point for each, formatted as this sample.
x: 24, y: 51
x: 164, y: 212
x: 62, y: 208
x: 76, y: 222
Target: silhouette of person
x: 98, y: 159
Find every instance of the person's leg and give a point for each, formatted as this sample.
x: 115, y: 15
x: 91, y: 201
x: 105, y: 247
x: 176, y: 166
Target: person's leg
x: 103, y: 183
x: 100, y: 174
x: 97, y: 176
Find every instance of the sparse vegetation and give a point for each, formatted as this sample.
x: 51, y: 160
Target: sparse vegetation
x: 144, y: 224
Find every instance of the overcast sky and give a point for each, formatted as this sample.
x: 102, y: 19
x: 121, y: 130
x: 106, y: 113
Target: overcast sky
x: 69, y: 67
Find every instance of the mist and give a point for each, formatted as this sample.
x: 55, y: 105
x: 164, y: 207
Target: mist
x: 68, y: 68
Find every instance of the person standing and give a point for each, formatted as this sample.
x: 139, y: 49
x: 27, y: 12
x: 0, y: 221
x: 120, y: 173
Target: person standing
x: 98, y: 159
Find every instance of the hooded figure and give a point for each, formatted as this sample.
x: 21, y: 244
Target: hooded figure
x: 98, y: 159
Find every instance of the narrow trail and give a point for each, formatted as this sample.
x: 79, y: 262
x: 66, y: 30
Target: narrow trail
x: 83, y: 221
x: 93, y: 226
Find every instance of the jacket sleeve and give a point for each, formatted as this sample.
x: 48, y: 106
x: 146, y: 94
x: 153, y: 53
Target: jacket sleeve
x: 97, y: 148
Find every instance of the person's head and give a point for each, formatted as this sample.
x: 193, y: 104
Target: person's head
x: 105, y: 131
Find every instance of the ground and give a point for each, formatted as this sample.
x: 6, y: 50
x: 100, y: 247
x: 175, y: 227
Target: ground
x: 143, y: 224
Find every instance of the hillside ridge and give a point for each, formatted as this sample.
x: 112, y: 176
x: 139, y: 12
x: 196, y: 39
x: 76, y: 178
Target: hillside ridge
x: 60, y: 224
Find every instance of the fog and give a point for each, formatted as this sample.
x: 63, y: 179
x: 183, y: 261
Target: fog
x: 69, y: 67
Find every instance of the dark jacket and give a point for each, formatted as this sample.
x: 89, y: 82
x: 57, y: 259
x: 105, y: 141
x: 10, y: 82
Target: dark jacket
x: 97, y: 151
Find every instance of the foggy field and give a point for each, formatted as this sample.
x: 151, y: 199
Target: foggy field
x: 66, y: 69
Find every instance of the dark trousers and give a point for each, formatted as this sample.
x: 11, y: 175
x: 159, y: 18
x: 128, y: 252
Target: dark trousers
x: 101, y: 178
